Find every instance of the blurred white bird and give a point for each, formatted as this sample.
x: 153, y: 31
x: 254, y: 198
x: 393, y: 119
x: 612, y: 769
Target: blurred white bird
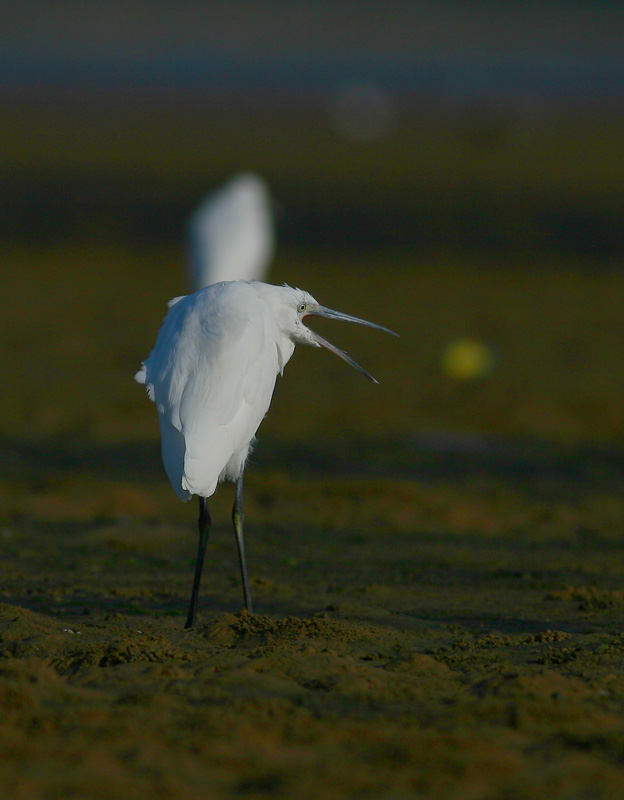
x: 230, y: 235
x: 212, y: 374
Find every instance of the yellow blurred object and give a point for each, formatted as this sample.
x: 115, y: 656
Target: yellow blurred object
x: 467, y: 359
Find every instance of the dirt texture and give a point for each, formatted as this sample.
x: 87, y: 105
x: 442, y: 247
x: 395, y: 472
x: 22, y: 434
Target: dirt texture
x: 436, y: 567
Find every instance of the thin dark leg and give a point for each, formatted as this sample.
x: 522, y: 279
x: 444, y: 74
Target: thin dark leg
x: 237, y: 519
x: 204, y: 530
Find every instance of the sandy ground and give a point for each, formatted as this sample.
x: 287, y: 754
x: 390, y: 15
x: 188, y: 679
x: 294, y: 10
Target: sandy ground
x: 437, y: 568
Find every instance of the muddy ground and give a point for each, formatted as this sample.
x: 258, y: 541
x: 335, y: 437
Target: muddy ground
x: 436, y: 566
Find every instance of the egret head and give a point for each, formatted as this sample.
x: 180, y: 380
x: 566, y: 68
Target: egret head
x: 307, y: 306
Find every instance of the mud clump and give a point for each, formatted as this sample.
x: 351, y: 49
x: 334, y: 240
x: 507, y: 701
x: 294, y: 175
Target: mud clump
x: 246, y: 628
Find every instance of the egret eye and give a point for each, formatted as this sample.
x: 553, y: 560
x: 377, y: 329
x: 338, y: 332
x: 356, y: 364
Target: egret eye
x: 302, y: 307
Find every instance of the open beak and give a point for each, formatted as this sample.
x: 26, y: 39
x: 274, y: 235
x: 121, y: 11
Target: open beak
x: 327, y: 312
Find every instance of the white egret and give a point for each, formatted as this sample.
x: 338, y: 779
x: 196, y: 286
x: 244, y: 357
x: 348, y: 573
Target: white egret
x: 230, y: 235
x: 212, y: 374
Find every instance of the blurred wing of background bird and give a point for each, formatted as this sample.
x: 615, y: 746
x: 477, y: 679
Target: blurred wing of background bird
x: 231, y: 234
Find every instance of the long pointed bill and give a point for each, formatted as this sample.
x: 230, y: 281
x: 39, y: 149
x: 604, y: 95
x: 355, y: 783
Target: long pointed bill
x: 327, y: 312
x: 341, y: 354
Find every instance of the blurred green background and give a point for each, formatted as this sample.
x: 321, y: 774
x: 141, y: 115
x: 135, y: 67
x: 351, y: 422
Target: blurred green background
x: 451, y: 170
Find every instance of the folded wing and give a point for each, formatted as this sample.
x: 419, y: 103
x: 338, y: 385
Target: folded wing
x: 212, y: 373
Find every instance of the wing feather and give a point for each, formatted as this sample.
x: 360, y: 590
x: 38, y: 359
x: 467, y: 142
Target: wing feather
x: 212, y: 373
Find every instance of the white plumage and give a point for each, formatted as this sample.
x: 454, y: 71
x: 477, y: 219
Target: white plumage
x: 231, y: 234
x: 212, y: 374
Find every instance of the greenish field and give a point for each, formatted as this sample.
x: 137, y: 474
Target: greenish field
x: 436, y: 562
